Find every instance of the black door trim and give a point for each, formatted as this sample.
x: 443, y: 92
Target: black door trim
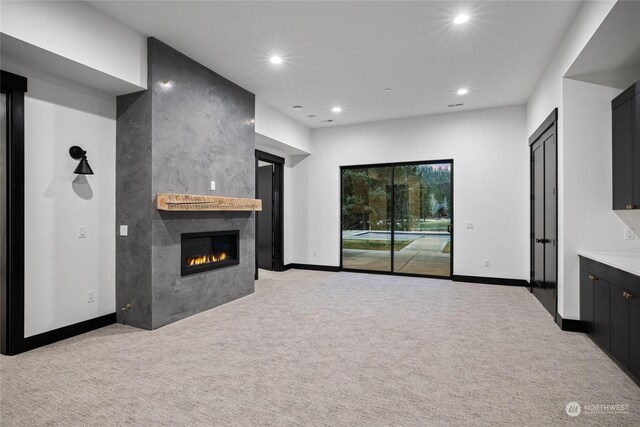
x: 548, y: 123
x: 371, y: 165
x: 270, y: 158
x: 278, y: 209
x: 12, y: 297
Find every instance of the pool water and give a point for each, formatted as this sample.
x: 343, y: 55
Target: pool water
x: 386, y: 235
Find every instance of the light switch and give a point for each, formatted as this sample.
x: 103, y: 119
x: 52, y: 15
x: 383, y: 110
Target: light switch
x: 124, y: 230
x: 469, y: 225
x: 213, y: 186
x: 82, y: 231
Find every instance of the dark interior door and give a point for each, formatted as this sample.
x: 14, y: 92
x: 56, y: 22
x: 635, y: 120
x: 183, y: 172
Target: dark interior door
x: 544, y: 216
x: 12, y: 89
x: 265, y: 217
x: 538, y: 211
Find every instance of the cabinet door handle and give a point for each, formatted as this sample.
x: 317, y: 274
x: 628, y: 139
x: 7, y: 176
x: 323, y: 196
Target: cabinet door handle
x: 592, y: 277
x: 630, y: 206
x: 628, y: 295
x: 542, y: 240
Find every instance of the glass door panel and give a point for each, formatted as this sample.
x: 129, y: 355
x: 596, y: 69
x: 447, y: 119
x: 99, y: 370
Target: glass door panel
x: 3, y: 193
x: 422, y: 219
x: 366, y: 218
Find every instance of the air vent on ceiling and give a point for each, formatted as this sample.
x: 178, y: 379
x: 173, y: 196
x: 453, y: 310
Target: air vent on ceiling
x: 454, y: 105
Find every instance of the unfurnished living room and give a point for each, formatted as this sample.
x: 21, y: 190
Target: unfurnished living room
x: 320, y: 213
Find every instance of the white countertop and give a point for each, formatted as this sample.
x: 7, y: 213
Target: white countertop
x: 625, y: 261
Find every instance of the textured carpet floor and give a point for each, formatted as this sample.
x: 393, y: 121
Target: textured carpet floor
x: 312, y: 348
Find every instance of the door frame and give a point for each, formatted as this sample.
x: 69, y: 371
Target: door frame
x: 12, y: 296
x: 278, y: 208
x: 551, y: 122
x: 392, y: 165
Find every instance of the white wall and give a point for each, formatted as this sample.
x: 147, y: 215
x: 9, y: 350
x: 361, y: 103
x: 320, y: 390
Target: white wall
x: 60, y: 267
x: 590, y: 223
x: 80, y: 33
x: 282, y: 136
x: 584, y: 156
x: 491, y: 183
x: 279, y: 127
x: 548, y: 92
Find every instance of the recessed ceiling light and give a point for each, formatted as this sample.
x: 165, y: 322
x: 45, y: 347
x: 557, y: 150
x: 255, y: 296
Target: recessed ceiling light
x: 297, y: 107
x: 275, y: 60
x: 388, y: 89
x: 327, y: 121
x: 463, y: 91
x: 336, y: 109
x: 461, y: 19
x: 166, y: 84
x: 312, y: 116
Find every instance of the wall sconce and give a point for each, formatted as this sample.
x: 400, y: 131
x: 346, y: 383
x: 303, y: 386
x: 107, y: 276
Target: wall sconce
x: 79, y: 154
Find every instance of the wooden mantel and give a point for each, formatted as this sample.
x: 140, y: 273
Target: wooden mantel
x: 194, y: 202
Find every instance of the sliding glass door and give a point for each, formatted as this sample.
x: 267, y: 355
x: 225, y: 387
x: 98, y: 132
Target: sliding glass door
x: 397, y: 218
x: 3, y: 200
x: 366, y: 218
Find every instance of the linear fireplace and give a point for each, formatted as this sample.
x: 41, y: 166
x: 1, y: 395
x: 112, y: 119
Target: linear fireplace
x: 209, y: 250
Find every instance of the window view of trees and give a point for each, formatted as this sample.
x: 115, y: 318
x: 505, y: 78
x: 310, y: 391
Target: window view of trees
x: 366, y: 199
x: 422, y: 198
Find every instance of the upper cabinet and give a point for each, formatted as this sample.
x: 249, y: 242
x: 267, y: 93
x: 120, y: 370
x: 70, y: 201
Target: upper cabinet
x: 626, y: 149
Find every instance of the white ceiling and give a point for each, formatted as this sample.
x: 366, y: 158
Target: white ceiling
x: 612, y: 56
x: 347, y: 53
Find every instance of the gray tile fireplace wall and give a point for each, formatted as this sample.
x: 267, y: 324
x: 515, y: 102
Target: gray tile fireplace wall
x: 191, y: 126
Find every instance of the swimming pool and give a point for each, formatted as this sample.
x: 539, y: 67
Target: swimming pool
x: 386, y: 235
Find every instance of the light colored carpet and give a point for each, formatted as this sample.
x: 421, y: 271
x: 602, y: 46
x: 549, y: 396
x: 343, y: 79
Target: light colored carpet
x: 312, y: 348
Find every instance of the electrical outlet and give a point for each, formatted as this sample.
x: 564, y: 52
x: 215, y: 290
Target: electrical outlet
x: 487, y: 263
x: 469, y: 225
x: 82, y: 231
x: 315, y: 253
x: 91, y: 296
x: 629, y: 234
x: 124, y: 230
x: 213, y: 186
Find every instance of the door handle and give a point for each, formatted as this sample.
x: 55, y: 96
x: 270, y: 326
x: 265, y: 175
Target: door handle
x: 542, y: 240
x: 628, y: 295
x: 630, y: 206
x: 592, y: 277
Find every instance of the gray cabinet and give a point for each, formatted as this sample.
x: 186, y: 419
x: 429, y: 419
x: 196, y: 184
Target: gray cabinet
x: 610, y: 311
x: 601, y: 312
x: 586, y: 301
x: 634, y: 336
x: 626, y: 148
x: 619, y: 324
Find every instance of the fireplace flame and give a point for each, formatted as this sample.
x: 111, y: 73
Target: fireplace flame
x: 206, y: 259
